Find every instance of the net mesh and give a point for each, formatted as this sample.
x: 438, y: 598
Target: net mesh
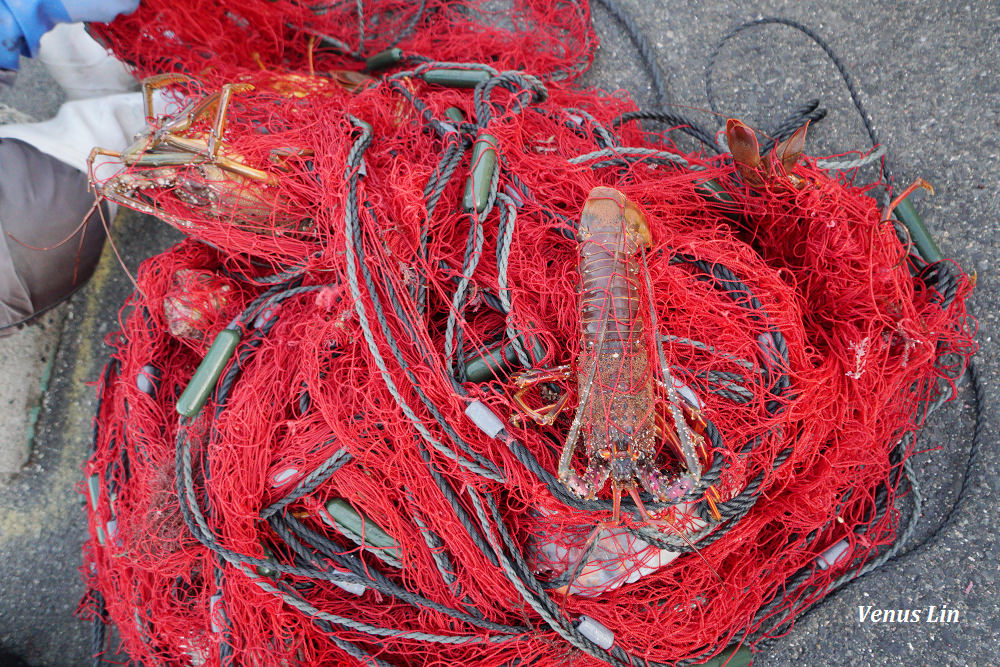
x: 333, y: 502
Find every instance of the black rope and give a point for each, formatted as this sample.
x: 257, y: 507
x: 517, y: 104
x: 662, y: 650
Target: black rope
x: 99, y: 629
x: 978, y: 403
x: 646, y: 54
x: 680, y: 122
x: 808, y: 112
x: 837, y: 62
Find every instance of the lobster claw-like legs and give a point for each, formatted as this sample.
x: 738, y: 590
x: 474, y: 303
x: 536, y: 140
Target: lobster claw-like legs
x: 757, y: 171
x: 745, y: 151
x: 545, y: 415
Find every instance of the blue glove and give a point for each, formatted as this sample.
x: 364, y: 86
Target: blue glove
x: 23, y: 22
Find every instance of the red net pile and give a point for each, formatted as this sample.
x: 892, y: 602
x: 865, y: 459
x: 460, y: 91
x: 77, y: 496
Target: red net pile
x: 218, y: 41
x: 334, y: 502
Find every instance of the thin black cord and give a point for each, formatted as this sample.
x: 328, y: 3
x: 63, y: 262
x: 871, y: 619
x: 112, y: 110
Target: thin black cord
x: 646, y: 54
x: 837, y: 62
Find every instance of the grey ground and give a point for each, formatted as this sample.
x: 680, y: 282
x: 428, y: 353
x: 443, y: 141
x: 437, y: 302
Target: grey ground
x: 928, y: 72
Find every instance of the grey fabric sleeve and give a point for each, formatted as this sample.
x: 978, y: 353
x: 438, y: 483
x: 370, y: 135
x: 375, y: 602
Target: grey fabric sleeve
x: 47, y: 250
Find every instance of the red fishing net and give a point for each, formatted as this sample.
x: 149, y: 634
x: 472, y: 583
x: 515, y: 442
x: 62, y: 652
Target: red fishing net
x: 218, y: 42
x: 364, y: 482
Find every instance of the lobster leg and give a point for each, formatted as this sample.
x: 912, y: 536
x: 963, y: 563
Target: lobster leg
x: 919, y: 183
x: 594, y: 477
x: 219, y: 127
x: 149, y: 84
x: 545, y: 415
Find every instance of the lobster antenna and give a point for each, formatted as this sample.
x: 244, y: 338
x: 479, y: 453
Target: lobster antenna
x: 111, y: 242
x: 680, y: 424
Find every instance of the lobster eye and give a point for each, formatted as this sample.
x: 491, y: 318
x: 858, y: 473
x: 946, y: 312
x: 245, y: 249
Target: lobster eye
x: 605, y: 453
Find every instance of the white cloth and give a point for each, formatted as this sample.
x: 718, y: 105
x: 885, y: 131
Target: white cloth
x: 109, y: 122
x: 82, y: 67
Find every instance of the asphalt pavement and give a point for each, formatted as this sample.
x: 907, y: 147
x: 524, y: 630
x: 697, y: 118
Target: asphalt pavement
x: 927, y: 73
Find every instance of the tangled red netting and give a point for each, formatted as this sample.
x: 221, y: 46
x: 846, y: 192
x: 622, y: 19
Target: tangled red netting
x: 383, y: 271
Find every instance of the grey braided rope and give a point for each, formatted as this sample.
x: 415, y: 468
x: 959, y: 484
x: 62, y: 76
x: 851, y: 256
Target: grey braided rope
x: 551, y: 618
x: 451, y: 496
x: 309, y: 610
x: 350, y: 649
x: 473, y: 252
x: 310, y: 482
x: 435, y: 545
x: 602, y: 136
x: 445, y: 567
x: 226, y: 651
x: 359, y: 5
x: 725, y: 384
x: 371, y: 577
x: 846, y: 165
x: 697, y: 344
x: 517, y: 83
x: 397, y: 354
x: 440, y: 177
x: 199, y: 528
x: 350, y: 224
x: 508, y: 218
x: 302, y: 553
x: 270, y: 298
x: 626, y: 154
